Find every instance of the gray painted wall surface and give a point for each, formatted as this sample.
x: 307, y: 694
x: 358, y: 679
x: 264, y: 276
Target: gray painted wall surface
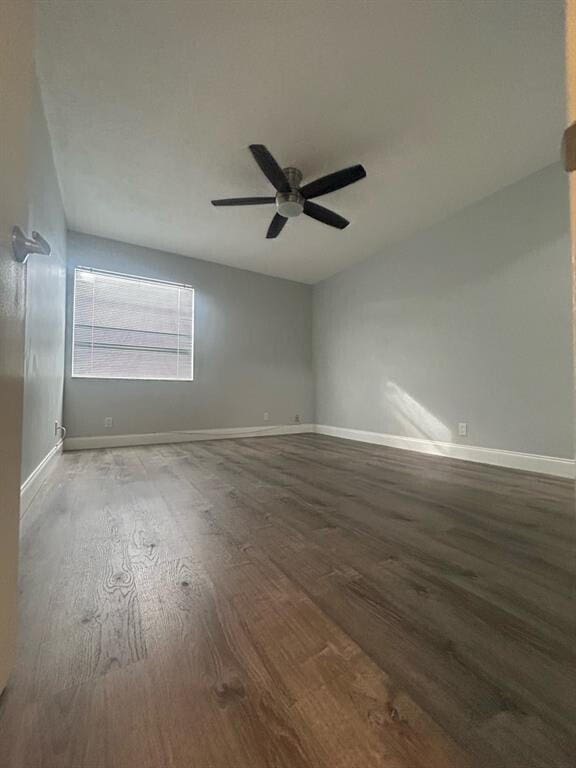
x: 468, y: 321
x: 45, y: 301
x: 253, y: 350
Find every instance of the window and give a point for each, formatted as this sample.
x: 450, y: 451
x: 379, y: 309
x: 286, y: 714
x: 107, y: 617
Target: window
x: 131, y: 328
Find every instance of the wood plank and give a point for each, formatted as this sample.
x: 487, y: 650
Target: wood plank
x: 296, y: 601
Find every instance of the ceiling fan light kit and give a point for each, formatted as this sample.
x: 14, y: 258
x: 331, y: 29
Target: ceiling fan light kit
x: 291, y: 199
x: 291, y: 204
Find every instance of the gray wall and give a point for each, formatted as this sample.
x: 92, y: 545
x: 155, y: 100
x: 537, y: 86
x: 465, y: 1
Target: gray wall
x: 45, y: 301
x: 468, y: 321
x: 253, y: 350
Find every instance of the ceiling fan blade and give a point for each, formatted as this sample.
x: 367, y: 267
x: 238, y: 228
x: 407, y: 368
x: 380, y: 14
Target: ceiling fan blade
x: 324, y: 215
x: 244, y: 201
x: 270, y: 167
x: 276, y: 226
x: 333, y: 181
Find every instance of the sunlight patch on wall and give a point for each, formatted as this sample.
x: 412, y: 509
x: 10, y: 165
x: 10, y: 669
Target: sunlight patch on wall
x: 414, y: 417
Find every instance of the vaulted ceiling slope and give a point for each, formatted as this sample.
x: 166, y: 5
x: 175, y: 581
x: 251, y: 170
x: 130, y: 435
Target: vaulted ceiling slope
x: 152, y: 104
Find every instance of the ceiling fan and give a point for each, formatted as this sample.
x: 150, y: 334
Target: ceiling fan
x: 291, y: 199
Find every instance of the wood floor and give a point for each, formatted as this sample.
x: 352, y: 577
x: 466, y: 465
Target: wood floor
x: 293, y: 602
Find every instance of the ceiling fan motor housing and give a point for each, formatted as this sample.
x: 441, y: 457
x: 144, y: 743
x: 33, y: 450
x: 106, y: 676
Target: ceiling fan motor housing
x: 291, y: 204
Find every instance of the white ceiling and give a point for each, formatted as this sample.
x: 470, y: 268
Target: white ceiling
x: 151, y: 105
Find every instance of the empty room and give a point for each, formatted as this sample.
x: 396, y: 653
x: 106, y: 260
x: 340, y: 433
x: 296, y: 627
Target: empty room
x: 287, y: 384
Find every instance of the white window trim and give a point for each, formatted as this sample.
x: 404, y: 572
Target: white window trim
x: 98, y: 271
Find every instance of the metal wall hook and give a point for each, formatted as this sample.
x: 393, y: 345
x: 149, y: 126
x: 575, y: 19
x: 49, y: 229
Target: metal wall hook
x: 23, y: 246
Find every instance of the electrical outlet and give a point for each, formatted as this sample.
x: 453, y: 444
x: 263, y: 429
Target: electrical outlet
x: 266, y: 416
x: 297, y: 419
x: 463, y: 428
x: 108, y: 422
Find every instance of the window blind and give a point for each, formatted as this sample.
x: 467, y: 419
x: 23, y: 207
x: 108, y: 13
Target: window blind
x: 128, y: 327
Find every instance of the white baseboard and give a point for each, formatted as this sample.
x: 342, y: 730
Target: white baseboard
x: 31, y: 485
x: 548, y: 465
x: 187, y: 436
